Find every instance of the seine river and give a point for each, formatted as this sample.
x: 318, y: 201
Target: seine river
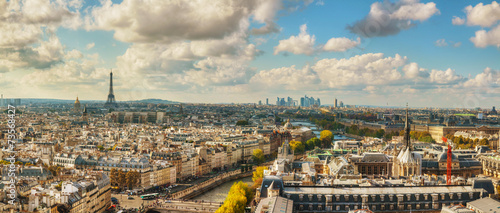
x: 315, y: 129
x: 219, y: 193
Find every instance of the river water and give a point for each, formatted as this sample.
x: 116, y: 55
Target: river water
x: 219, y: 193
x: 317, y: 131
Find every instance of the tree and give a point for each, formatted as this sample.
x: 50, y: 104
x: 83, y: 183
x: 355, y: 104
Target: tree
x: 312, y: 143
x: 297, y: 147
x: 326, y: 137
x: 100, y: 147
x: 237, y: 199
x: 132, y: 178
x: 113, y: 176
x: 258, y: 176
x: 484, y: 142
x: 258, y: 156
x: 122, y: 179
x: 242, y: 123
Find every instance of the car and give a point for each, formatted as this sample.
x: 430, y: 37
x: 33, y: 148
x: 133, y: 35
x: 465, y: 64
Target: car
x: 130, y: 197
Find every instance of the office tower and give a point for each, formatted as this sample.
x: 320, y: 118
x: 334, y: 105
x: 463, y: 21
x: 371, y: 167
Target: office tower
x: 260, y: 102
x: 2, y: 103
x: 318, y: 102
x: 335, y: 104
x: 111, y: 102
x: 302, y: 102
x: 277, y: 101
x: 341, y: 104
x: 267, y: 101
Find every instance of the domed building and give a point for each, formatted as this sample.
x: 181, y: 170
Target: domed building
x: 77, y: 105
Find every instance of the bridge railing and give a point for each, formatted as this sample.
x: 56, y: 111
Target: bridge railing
x: 204, y: 184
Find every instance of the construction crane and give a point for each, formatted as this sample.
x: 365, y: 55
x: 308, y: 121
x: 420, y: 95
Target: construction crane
x: 448, y: 165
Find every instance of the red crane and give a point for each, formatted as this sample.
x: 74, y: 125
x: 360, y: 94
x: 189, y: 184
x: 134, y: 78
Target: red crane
x: 448, y: 165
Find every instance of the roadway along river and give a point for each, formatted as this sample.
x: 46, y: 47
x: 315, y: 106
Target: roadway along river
x: 219, y: 193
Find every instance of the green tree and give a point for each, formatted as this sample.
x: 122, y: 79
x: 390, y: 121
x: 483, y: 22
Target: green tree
x: 242, y: 123
x: 312, y: 143
x: 297, y: 147
x: 113, y: 177
x: 258, y: 156
x: 326, y: 137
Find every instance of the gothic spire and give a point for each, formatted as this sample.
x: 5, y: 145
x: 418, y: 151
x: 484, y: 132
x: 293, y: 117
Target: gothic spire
x: 407, y: 131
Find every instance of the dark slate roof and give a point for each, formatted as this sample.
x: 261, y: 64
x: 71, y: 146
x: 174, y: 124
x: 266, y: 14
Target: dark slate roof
x: 374, y: 157
x: 484, y: 183
x: 267, y: 181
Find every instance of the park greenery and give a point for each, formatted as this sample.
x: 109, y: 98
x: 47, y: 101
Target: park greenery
x: 467, y: 143
x: 242, y: 123
x: 326, y: 138
x: 237, y: 199
x: 258, y: 156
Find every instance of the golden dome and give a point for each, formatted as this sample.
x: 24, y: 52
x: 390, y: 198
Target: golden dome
x: 77, y: 101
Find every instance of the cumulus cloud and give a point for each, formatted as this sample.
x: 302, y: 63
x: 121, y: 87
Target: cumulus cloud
x: 28, y: 35
x: 301, y: 44
x: 290, y: 78
x: 341, y: 44
x: 457, y: 20
x: 483, y: 15
x: 413, y: 71
x: 387, y: 18
x: 136, y: 21
x: 486, y: 16
x: 485, y: 38
x: 444, y: 77
x: 487, y: 79
x: 367, y: 69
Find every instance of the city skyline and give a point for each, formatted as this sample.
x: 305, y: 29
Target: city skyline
x: 426, y: 53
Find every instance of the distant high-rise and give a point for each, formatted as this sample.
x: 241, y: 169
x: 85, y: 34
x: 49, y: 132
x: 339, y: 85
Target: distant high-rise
x: 260, y: 102
x: 335, y: 104
x: 2, y: 103
x: 341, y: 104
x: 111, y: 102
x: 267, y: 101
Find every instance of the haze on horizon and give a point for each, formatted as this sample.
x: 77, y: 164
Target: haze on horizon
x: 426, y: 53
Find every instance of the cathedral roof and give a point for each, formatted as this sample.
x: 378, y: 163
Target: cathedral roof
x: 409, y: 157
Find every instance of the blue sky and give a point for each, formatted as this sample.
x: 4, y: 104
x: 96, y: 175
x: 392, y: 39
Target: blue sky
x: 427, y: 53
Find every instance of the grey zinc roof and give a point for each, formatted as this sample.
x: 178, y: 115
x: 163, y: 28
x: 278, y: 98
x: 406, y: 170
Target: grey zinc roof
x: 485, y: 205
x: 381, y: 190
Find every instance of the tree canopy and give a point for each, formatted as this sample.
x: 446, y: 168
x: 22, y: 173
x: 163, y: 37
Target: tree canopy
x: 297, y: 147
x: 258, y: 156
x: 326, y: 137
x: 237, y: 199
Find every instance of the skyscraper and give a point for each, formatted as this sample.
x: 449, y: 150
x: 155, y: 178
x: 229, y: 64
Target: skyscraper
x: 111, y: 102
x: 267, y: 101
x: 335, y: 104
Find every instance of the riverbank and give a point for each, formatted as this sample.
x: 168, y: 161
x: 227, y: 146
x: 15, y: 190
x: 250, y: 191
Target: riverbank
x: 210, y: 184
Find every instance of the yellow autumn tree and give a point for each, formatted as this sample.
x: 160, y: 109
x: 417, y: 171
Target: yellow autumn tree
x: 237, y: 199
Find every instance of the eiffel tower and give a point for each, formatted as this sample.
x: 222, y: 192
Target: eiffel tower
x: 111, y: 102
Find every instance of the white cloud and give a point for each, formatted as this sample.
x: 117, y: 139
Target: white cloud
x: 441, y: 43
x: 290, y: 78
x: 485, y: 38
x: 73, y: 54
x: 483, y: 15
x: 387, y: 18
x: 489, y: 78
x: 457, y: 20
x: 136, y: 20
x: 341, y: 44
x: 367, y: 69
x: 301, y: 44
x: 90, y: 46
x: 444, y: 77
x: 413, y: 71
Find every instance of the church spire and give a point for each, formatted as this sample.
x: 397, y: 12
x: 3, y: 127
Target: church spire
x: 407, y: 131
